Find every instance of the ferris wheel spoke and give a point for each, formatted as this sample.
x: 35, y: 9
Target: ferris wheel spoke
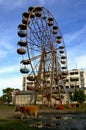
x: 37, y: 29
x: 39, y: 40
x: 43, y: 51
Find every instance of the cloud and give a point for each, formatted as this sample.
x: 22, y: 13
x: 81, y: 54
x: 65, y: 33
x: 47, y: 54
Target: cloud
x: 5, y: 49
x: 76, y: 46
x: 13, y: 82
x: 6, y: 45
x: 44, y: 2
x: 8, y: 69
x: 11, y: 4
x: 81, y: 61
x: 9, y: 79
x: 76, y: 59
x: 78, y: 62
x: 76, y: 37
x: 2, y: 54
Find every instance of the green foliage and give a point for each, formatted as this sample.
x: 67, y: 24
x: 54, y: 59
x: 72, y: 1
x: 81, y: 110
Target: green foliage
x: 7, y: 95
x: 15, y: 125
x: 71, y: 96
x: 78, y: 96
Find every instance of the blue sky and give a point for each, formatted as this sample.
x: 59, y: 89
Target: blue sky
x: 71, y: 18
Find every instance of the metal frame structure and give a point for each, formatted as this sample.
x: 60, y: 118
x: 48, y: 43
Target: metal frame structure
x: 43, y: 51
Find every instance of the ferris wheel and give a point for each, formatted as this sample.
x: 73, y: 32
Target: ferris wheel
x: 43, y: 51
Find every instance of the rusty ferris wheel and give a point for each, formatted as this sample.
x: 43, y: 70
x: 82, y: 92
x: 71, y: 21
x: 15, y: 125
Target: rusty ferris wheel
x: 43, y: 51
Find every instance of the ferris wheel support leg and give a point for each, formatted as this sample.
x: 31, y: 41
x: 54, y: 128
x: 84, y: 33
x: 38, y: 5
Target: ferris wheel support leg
x: 69, y: 100
x: 35, y: 98
x: 31, y: 98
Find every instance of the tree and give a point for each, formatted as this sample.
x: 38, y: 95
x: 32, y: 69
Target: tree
x: 7, y: 95
x: 79, y: 96
x: 71, y: 96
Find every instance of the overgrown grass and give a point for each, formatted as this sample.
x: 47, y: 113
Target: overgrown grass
x: 6, y: 107
x: 82, y: 108
x: 16, y: 125
x: 13, y: 123
x: 67, y: 108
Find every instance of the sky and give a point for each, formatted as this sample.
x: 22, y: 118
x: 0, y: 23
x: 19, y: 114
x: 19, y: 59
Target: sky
x: 71, y: 18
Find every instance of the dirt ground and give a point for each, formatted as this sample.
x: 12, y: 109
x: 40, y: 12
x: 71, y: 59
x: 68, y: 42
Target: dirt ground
x: 78, y: 121
x: 10, y: 113
x: 6, y: 114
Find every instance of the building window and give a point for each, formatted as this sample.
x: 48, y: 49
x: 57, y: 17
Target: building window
x: 82, y: 74
x: 71, y: 79
x: 76, y: 86
x: 82, y: 80
x: 67, y: 86
x: 74, y: 73
x: 67, y: 80
x: 72, y: 86
x: 71, y: 73
x: 74, y: 79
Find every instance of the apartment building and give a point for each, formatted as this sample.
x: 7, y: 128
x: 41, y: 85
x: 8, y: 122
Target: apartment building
x: 27, y: 94
x: 76, y: 79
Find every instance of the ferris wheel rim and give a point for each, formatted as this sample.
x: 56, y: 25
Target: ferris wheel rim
x: 53, y: 18
x: 27, y: 28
